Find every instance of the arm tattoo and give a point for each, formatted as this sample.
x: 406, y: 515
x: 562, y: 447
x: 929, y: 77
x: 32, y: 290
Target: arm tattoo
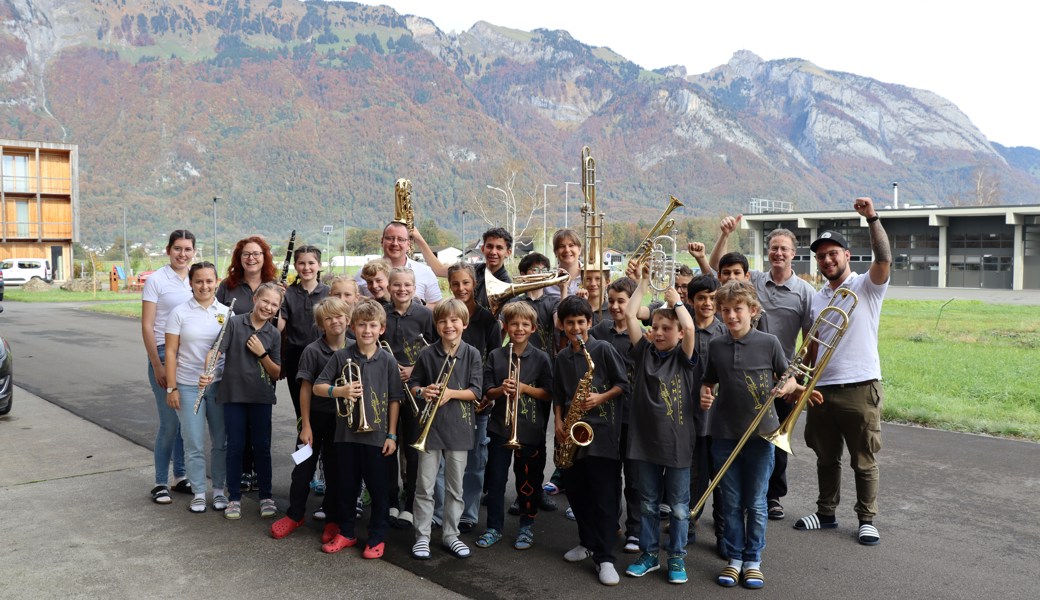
x: 879, y: 243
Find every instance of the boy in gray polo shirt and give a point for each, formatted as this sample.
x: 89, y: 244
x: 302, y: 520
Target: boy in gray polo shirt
x: 376, y: 400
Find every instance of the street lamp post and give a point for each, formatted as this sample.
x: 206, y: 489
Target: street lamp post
x: 327, y: 230
x: 463, y: 244
x: 217, y: 266
x: 566, y: 199
x: 545, y: 208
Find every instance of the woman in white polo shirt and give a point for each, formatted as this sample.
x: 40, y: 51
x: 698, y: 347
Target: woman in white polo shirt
x: 190, y: 332
x: 166, y: 289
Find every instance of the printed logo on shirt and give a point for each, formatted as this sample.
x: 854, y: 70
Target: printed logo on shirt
x: 671, y: 395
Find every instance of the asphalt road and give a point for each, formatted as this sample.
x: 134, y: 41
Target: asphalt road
x: 958, y: 514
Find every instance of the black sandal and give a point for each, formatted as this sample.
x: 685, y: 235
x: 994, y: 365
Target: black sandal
x: 183, y: 486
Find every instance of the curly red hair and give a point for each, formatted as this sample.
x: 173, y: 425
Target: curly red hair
x: 235, y: 269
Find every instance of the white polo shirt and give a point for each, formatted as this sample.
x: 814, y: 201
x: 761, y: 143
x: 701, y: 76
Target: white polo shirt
x: 426, y: 286
x: 167, y: 291
x: 856, y: 357
x: 198, y: 328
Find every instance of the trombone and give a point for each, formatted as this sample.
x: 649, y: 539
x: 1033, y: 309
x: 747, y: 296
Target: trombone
x: 592, y: 255
x: 499, y: 292
x: 513, y: 402
x: 345, y: 406
x: 826, y: 331
x: 430, y: 411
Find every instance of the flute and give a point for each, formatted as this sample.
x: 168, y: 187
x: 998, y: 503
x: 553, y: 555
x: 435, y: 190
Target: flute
x: 211, y: 358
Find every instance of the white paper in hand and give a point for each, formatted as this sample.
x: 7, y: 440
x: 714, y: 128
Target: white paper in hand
x: 302, y: 454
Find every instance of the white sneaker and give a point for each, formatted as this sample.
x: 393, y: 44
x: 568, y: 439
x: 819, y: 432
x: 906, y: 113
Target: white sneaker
x: 394, y: 513
x: 631, y: 545
x: 608, y: 574
x: 577, y: 554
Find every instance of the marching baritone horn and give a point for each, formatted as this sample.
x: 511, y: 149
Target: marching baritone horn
x: 652, y: 251
x: 345, y: 406
x: 499, y: 292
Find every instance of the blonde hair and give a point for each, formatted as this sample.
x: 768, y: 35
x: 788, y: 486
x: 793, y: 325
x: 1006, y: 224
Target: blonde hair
x: 737, y: 292
x: 401, y: 271
x: 335, y: 280
x: 329, y: 307
x: 519, y: 310
x: 452, y: 307
x: 374, y: 267
x: 368, y: 309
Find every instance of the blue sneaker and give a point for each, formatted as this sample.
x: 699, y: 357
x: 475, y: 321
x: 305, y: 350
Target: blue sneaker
x: 676, y: 570
x: 647, y: 562
x: 318, y: 486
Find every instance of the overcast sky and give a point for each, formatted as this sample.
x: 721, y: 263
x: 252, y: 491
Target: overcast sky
x: 979, y: 55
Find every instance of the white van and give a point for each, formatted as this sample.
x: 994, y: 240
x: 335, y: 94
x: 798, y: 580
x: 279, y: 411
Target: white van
x: 18, y: 271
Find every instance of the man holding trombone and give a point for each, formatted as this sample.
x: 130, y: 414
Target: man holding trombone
x: 851, y: 385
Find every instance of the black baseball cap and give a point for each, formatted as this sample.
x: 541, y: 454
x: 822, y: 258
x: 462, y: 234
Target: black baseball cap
x: 829, y: 236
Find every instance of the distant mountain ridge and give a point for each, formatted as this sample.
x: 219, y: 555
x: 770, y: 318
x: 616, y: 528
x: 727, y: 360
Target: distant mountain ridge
x: 303, y: 114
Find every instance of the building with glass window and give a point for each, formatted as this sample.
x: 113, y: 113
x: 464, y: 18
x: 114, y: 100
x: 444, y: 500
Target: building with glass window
x: 994, y: 247
x: 39, y: 202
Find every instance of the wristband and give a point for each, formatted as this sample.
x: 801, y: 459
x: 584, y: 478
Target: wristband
x: 264, y: 355
x: 876, y: 217
x: 331, y: 387
x: 392, y: 437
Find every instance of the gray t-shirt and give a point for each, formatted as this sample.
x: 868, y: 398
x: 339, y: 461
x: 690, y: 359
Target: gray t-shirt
x: 746, y: 371
x: 403, y: 331
x: 245, y: 380
x: 703, y: 336
x: 662, y: 419
x: 380, y: 387
x: 605, y: 419
x: 312, y: 361
x: 298, y: 312
x: 455, y: 423
x: 535, y: 370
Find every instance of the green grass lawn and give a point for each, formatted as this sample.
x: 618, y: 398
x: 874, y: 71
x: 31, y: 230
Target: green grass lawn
x: 59, y: 295
x: 968, y: 370
x: 130, y: 309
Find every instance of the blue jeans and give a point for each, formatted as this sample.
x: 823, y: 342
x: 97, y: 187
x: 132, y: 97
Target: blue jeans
x: 744, y: 488
x: 473, y: 479
x: 238, y: 416
x: 168, y: 442
x: 676, y: 487
x: 193, y: 429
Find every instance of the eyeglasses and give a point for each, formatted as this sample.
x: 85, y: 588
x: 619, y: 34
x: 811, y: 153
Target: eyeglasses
x: 252, y: 254
x: 391, y: 240
x: 781, y: 249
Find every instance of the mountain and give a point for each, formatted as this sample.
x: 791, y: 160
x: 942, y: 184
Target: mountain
x: 301, y: 114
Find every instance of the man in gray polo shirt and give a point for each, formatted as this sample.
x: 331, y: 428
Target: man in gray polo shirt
x: 787, y: 299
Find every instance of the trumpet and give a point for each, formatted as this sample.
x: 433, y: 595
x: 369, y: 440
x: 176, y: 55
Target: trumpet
x: 836, y: 320
x: 345, y: 406
x: 429, y: 413
x: 499, y: 292
x: 651, y: 251
x: 513, y: 402
x: 403, y: 212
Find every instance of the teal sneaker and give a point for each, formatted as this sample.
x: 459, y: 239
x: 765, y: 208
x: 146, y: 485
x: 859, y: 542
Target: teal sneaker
x: 676, y: 570
x: 647, y: 562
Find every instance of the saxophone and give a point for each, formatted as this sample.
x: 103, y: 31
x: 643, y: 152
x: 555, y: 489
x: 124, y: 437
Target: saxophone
x: 579, y: 433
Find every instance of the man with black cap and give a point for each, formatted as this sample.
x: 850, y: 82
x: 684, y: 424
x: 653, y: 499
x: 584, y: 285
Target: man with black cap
x: 851, y: 384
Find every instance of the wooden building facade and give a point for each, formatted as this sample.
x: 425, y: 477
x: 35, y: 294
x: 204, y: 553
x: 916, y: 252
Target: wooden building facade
x: 39, y: 202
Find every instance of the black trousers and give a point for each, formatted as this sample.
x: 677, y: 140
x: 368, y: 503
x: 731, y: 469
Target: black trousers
x: 359, y: 462
x: 700, y: 476
x: 592, y: 489
x: 406, y: 460
x: 778, y: 480
x: 323, y: 428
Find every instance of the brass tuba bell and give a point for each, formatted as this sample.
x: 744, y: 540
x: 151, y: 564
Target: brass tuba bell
x: 499, y: 292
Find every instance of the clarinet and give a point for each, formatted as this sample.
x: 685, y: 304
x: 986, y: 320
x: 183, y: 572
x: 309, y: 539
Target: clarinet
x: 288, y: 258
x: 211, y: 360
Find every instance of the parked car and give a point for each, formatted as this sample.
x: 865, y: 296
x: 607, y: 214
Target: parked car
x: 6, y: 376
x: 18, y: 271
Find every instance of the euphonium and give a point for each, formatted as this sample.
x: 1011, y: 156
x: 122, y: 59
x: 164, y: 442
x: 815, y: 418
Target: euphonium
x: 345, y: 406
x: 652, y: 251
x: 513, y: 401
x: 499, y: 292
x: 403, y: 212
x: 837, y: 321
x: 429, y: 413
x: 579, y: 433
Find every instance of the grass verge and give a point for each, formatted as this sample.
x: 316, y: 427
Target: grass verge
x: 130, y: 309
x: 60, y: 295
